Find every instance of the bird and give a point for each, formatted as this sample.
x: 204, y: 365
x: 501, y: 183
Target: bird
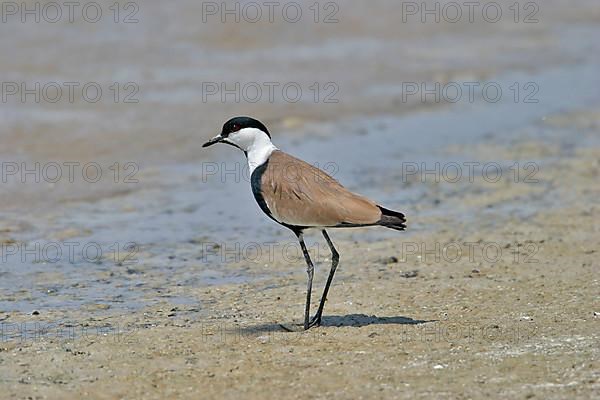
x: 300, y: 196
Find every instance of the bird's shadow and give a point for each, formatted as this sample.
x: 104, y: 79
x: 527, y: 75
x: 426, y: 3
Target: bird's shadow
x: 358, y: 320
x: 351, y: 320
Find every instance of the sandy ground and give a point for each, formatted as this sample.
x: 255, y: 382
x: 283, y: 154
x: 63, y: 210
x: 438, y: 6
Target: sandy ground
x: 399, y: 323
x: 515, y: 314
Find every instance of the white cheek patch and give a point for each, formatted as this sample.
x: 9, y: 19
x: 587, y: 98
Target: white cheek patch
x: 255, y: 143
x: 245, y: 137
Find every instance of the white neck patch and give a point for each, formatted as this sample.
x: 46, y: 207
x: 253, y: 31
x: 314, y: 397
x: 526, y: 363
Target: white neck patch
x: 259, y: 153
x: 256, y: 144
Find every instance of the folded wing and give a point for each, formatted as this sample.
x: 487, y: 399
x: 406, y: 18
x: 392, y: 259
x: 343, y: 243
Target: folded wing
x: 298, y: 194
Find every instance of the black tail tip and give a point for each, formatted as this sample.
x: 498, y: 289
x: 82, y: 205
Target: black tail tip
x: 392, y: 219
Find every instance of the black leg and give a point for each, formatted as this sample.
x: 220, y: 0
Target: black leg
x: 310, y: 270
x: 335, y: 259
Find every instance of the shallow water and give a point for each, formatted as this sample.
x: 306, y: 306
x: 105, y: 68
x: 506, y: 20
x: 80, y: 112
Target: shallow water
x: 172, y: 224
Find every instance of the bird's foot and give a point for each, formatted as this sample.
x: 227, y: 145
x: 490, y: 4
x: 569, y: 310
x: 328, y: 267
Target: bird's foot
x: 292, y: 327
x: 315, y: 321
x: 299, y: 327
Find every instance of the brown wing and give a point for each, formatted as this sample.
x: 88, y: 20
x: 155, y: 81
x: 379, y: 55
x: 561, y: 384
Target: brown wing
x: 299, y: 194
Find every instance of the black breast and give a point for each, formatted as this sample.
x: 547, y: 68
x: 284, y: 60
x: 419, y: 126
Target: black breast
x: 256, y: 183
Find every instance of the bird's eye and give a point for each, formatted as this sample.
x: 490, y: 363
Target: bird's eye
x: 236, y: 127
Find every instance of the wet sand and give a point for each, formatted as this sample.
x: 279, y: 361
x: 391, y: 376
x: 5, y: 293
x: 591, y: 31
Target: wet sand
x: 399, y: 322
x: 521, y: 325
x: 492, y: 292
